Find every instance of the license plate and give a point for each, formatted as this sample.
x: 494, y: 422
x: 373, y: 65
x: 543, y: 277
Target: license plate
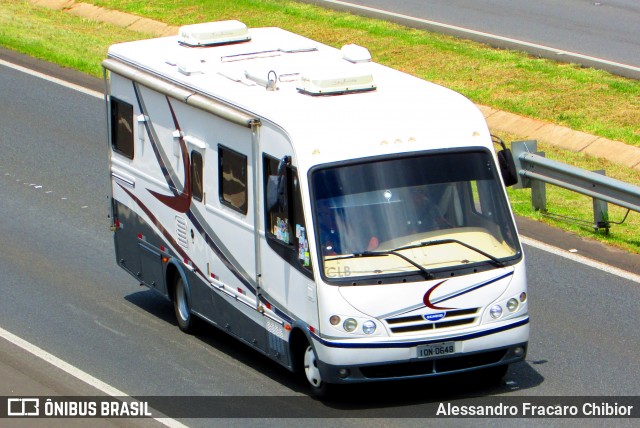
x: 434, y: 350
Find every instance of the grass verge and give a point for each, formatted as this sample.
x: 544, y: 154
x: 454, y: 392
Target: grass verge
x: 583, y: 99
x: 58, y: 37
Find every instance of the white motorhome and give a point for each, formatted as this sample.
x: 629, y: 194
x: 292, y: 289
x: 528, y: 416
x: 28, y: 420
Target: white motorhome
x: 345, y: 219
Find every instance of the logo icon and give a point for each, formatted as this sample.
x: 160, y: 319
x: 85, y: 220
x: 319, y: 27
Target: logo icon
x: 23, y: 407
x: 435, y: 317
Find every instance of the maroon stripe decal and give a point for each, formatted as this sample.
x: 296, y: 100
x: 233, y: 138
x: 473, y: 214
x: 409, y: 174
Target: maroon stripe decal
x: 426, y: 300
x: 157, y: 223
x: 180, y: 202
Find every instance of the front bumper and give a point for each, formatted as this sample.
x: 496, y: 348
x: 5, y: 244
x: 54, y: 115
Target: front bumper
x: 364, y: 362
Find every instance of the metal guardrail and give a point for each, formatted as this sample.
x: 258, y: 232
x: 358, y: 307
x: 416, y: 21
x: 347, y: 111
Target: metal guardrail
x: 534, y: 170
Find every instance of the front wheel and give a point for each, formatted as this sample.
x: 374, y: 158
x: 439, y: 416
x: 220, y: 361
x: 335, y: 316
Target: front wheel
x: 181, y: 306
x: 319, y: 388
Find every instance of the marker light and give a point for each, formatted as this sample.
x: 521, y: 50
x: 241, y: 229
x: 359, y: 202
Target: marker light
x: 496, y: 312
x: 334, y: 320
x: 350, y: 324
x: 523, y: 297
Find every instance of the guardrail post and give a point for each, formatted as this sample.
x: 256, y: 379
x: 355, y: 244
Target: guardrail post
x: 538, y: 188
x: 601, y: 211
x: 539, y: 193
x: 518, y: 148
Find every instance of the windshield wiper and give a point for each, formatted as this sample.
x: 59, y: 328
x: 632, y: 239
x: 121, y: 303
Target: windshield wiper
x: 427, y: 274
x: 494, y: 259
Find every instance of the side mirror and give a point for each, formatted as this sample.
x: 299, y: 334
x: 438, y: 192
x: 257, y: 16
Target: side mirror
x: 506, y: 163
x: 507, y: 167
x: 286, y: 160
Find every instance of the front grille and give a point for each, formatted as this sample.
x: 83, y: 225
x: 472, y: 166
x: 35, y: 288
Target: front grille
x: 413, y: 323
x: 443, y: 365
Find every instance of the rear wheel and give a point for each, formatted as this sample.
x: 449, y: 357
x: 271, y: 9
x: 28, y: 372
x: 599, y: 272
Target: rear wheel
x: 182, y: 307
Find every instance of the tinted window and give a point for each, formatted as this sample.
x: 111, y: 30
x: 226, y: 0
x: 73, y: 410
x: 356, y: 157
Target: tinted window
x: 122, y: 127
x: 196, y: 176
x: 233, y: 179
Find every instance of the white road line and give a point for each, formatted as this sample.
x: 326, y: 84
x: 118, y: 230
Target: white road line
x: 52, y: 79
x: 76, y: 372
x: 580, y: 259
x: 482, y: 34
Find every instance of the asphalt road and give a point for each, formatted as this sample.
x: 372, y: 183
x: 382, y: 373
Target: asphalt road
x: 62, y: 291
x: 603, y: 33
x: 26, y: 375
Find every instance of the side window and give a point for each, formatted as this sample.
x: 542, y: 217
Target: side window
x: 196, y: 176
x: 284, y: 215
x: 232, y: 167
x: 122, y: 127
x: 300, y: 229
x: 276, y: 199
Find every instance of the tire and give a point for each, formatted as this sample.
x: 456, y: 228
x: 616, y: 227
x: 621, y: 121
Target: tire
x: 182, y: 306
x: 319, y: 388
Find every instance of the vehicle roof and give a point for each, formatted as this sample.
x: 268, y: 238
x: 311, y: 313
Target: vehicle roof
x: 403, y: 113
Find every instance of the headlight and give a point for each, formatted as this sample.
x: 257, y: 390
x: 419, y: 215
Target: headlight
x: 350, y: 324
x: 512, y: 305
x: 495, y: 312
x: 369, y: 327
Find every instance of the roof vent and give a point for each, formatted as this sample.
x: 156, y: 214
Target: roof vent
x: 355, y: 53
x: 336, y: 82
x: 189, y: 66
x: 213, y: 33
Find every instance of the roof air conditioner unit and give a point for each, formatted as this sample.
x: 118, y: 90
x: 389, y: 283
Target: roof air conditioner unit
x: 213, y: 33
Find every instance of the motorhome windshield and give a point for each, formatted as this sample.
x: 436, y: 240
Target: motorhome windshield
x: 397, y: 217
